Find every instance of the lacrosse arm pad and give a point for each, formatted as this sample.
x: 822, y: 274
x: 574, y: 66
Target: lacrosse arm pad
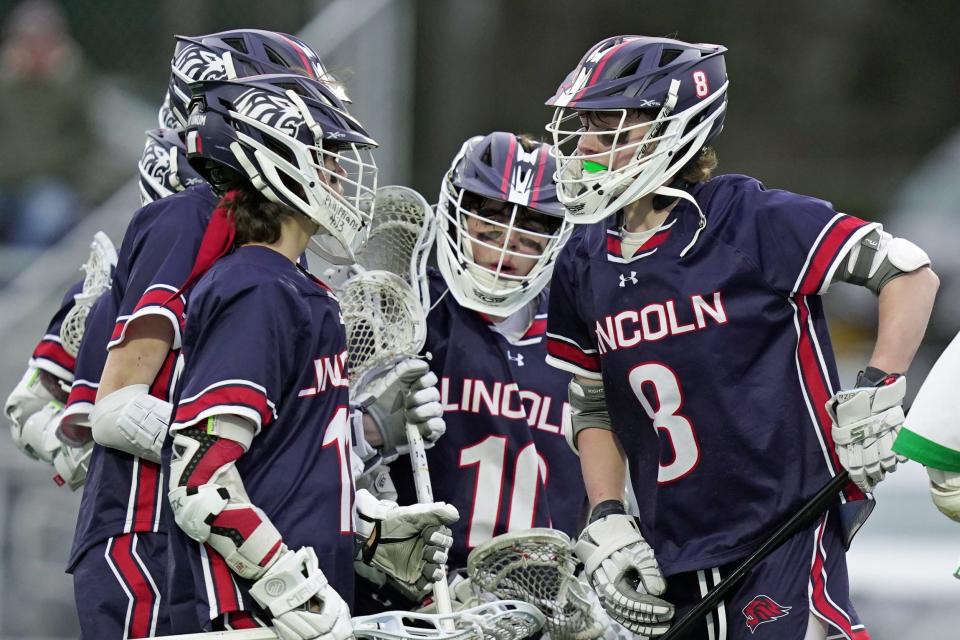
x: 588, y: 410
x: 209, y: 501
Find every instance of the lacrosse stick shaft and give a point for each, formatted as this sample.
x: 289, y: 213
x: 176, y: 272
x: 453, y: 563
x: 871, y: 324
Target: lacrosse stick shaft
x: 421, y: 479
x: 814, y: 508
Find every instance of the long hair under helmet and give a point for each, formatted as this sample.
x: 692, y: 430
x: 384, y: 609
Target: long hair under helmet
x: 281, y: 133
x: 682, y: 87
x: 503, y: 168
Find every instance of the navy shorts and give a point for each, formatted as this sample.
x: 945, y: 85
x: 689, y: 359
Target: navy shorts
x: 807, y: 574
x: 117, y: 587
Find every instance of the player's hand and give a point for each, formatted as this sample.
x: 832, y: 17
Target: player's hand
x: 71, y: 462
x: 38, y: 437
x: 26, y: 399
x: 301, y: 601
x: 866, y: 420
x: 406, y: 393
x: 945, y: 491
x: 410, y: 544
x: 624, y: 573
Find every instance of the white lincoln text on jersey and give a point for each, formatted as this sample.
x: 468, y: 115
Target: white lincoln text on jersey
x: 503, y: 399
x: 658, y: 320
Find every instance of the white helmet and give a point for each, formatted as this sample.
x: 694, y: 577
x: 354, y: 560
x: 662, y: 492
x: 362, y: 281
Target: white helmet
x: 278, y: 132
x: 495, y: 172
x: 680, y: 88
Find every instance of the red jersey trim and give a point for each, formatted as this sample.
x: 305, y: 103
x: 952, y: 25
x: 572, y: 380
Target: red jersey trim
x: 156, y: 300
x: 240, y: 397
x: 50, y: 356
x: 828, y: 251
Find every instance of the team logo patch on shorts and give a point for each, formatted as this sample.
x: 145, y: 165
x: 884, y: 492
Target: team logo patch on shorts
x: 763, y: 609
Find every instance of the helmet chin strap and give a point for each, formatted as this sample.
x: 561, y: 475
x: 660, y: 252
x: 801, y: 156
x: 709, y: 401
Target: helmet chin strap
x: 679, y: 193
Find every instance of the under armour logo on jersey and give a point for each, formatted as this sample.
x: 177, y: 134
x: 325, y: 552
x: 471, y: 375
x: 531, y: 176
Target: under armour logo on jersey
x: 517, y: 358
x: 197, y: 64
x: 632, y: 278
x: 763, y: 609
x: 270, y: 110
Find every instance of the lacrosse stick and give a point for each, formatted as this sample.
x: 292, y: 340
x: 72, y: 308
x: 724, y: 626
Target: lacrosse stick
x: 505, y: 620
x: 399, y: 241
x: 537, y: 566
x: 97, y: 269
x: 807, y: 513
x: 386, y: 323
x: 401, y: 234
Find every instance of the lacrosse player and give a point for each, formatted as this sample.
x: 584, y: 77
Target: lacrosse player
x: 261, y: 482
x: 931, y: 434
x: 503, y: 459
x: 126, y: 364
x: 42, y: 403
x: 689, y: 313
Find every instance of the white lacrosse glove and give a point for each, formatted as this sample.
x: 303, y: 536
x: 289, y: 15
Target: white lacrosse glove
x: 71, y: 463
x: 406, y: 393
x: 132, y: 420
x: 945, y: 491
x: 301, y: 601
x: 623, y: 570
x: 38, y: 437
x: 409, y: 544
x: 26, y: 399
x: 866, y: 421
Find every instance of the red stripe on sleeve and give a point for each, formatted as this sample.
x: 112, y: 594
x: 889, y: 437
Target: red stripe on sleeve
x: 55, y: 353
x: 229, y: 394
x: 566, y: 351
x: 825, y: 254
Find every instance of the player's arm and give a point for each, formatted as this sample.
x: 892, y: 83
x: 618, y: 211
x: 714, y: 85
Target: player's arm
x: 126, y: 416
x: 611, y: 546
x: 866, y: 419
x: 210, y: 504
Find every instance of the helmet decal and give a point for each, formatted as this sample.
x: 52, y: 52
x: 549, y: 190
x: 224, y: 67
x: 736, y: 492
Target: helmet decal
x: 270, y: 110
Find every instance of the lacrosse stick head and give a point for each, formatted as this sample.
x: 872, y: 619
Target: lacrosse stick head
x: 401, y: 235
x: 537, y: 566
x: 384, y: 322
x: 98, y: 269
x: 500, y: 620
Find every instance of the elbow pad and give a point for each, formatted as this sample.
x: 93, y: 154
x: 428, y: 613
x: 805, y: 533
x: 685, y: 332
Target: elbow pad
x: 131, y: 420
x: 879, y: 258
x: 211, y: 506
x: 588, y: 410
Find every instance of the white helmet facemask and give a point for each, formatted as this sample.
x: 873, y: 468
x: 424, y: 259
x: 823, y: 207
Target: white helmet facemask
x: 493, y: 288
x: 587, y: 185
x: 332, y: 184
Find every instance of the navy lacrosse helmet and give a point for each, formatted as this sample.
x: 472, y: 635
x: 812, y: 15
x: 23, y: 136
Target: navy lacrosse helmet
x: 237, y: 54
x: 632, y: 113
x: 293, y: 139
x: 498, y: 199
x: 163, y: 166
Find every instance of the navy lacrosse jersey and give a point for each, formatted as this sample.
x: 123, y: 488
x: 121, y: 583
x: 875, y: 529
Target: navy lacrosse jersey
x: 49, y: 354
x: 265, y: 341
x: 123, y: 493
x: 503, y: 461
x: 716, y: 365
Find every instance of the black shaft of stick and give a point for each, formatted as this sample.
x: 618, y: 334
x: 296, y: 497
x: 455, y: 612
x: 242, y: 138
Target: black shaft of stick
x: 815, y: 507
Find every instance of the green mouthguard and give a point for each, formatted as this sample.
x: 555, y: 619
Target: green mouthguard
x: 593, y: 167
